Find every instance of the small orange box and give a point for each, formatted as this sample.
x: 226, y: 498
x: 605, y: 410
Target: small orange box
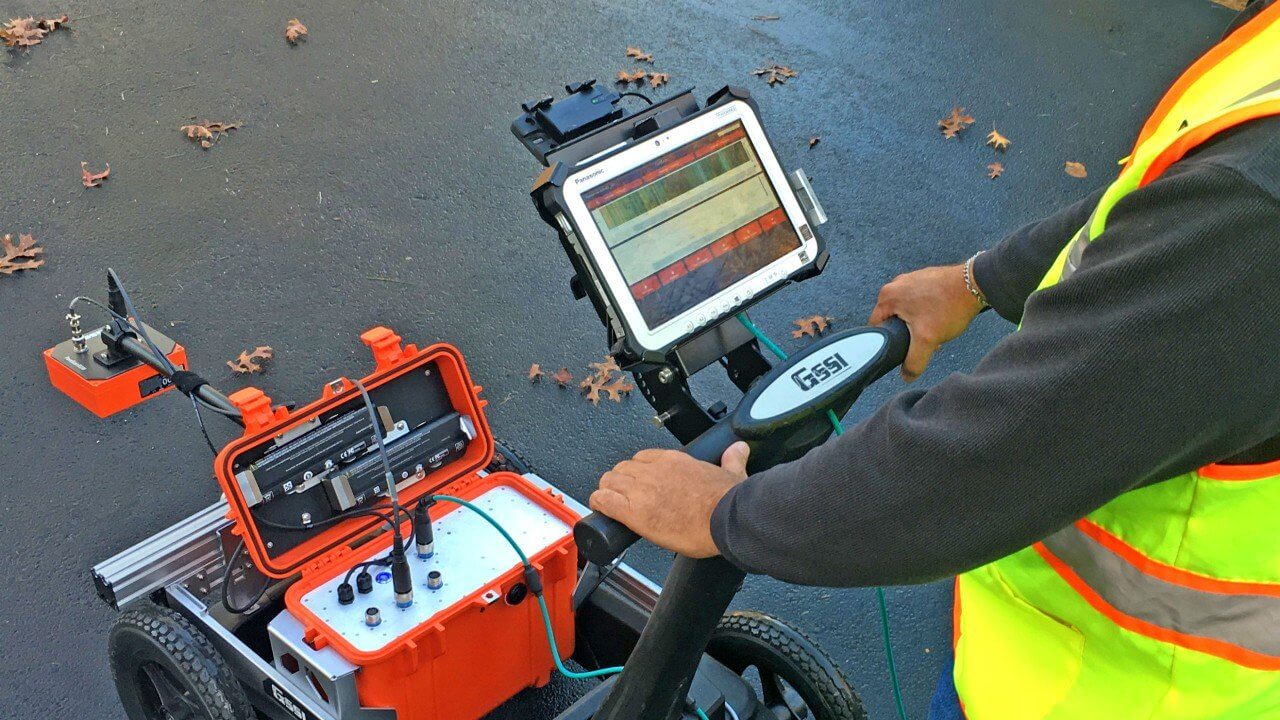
x: 104, y: 394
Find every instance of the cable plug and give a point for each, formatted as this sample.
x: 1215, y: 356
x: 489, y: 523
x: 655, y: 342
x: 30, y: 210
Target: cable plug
x: 401, y: 576
x: 533, y: 580
x: 346, y: 594
x: 423, y: 533
x: 364, y: 582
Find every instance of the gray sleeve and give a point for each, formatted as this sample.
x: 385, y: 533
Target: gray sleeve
x: 1157, y: 357
x: 1010, y: 271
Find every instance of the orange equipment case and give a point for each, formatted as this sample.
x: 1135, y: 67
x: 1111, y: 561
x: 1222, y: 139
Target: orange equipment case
x: 466, y: 659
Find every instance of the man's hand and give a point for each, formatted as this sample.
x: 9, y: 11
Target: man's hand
x: 667, y: 497
x: 935, y: 304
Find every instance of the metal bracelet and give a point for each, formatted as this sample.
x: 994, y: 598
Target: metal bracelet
x: 969, y: 282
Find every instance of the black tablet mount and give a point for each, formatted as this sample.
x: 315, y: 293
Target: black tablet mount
x: 587, y: 126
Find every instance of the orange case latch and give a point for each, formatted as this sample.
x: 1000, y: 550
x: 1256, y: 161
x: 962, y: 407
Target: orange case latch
x: 255, y: 409
x: 385, y: 345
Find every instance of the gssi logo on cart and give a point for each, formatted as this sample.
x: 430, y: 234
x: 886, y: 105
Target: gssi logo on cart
x: 286, y: 701
x: 818, y: 373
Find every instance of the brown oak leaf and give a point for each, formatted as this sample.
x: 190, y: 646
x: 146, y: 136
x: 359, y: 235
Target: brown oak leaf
x: 606, y: 367
x: 657, y: 79
x: 92, y: 179
x: 995, y: 170
x: 618, y: 388
x: 207, y: 132
x: 626, y: 77
x: 535, y: 373
x: 23, y: 256
x: 562, y: 377
x: 998, y: 141
x: 774, y: 74
x: 813, y: 326
x: 639, y: 55
x: 952, y: 125
x: 251, y: 361
x: 23, y: 32
x: 1075, y: 169
x: 52, y: 24
x: 1236, y: 5
x: 294, y: 31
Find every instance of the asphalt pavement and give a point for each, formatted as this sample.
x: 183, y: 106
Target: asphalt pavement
x: 373, y: 181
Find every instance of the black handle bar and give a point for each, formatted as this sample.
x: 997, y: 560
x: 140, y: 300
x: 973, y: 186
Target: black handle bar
x: 601, y: 539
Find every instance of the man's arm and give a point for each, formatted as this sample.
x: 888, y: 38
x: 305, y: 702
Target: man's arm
x: 1009, y: 272
x: 1155, y: 358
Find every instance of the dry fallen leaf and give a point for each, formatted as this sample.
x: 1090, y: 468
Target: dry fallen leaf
x: 535, y: 373
x: 813, y: 326
x: 657, y: 79
x: 998, y: 141
x: 618, y: 388
x: 205, y: 133
x: 563, y: 377
x: 23, y: 32
x: 251, y: 361
x: 633, y: 76
x: 814, y: 141
x: 1075, y: 169
x: 995, y: 170
x: 52, y: 24
x: 606, y: 367
x: 639, y: 55
x: 294, y: 30
x: 92, y: 179
x: 774, y: 74
x: 1236, y: 5
x: 953, y: 124
x: 23, y: 256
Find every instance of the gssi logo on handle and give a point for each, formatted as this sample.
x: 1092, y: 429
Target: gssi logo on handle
x: 818, y: 373
x: 286, y: 701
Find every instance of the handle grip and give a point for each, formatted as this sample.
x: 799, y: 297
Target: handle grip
x: 601, y: 539
x: 898, y: 339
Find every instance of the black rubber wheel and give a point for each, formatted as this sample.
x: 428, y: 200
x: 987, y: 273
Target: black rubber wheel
x: 166, y: 669
x: 508, y: 459
x: 797, y: 679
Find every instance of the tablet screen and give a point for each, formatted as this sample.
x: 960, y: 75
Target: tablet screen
x: 690, y: 223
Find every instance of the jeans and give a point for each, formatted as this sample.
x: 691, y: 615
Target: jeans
x: 946, y: 701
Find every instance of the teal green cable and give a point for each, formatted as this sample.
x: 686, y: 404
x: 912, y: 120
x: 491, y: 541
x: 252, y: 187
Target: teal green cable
x: 836, y: 425
x: 542, y: 603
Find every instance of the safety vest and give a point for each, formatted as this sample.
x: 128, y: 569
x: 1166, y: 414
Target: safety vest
x: 1164, y: 603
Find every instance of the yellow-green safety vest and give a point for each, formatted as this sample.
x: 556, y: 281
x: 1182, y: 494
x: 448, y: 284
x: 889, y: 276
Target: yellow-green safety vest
x: 1164, y: 603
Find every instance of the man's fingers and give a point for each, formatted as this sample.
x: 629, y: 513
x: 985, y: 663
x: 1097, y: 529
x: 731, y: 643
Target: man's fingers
x: 917, y: 359
x: 735, y: 458
x: 881, y: 312
x: 615, y: 481
x: 614, y: 504
x: 651, y: 455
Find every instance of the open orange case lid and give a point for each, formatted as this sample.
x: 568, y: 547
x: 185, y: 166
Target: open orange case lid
x: 406, y: 382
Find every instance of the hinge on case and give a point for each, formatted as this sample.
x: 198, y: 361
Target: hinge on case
x: 808, y: 200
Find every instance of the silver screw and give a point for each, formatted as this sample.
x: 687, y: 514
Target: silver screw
x: 666, y: 375
x: 306, y: 518
x: 659, y: 421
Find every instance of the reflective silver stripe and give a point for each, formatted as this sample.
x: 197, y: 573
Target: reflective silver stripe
x: 1248, y: 621
x: 1257, y: 93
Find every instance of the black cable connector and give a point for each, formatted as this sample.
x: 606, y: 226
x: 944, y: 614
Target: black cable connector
x: 346, y: 594
x: 423, y: 533
x: 401, y: 577
x: 364, y: 582
x: 533, y: 580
